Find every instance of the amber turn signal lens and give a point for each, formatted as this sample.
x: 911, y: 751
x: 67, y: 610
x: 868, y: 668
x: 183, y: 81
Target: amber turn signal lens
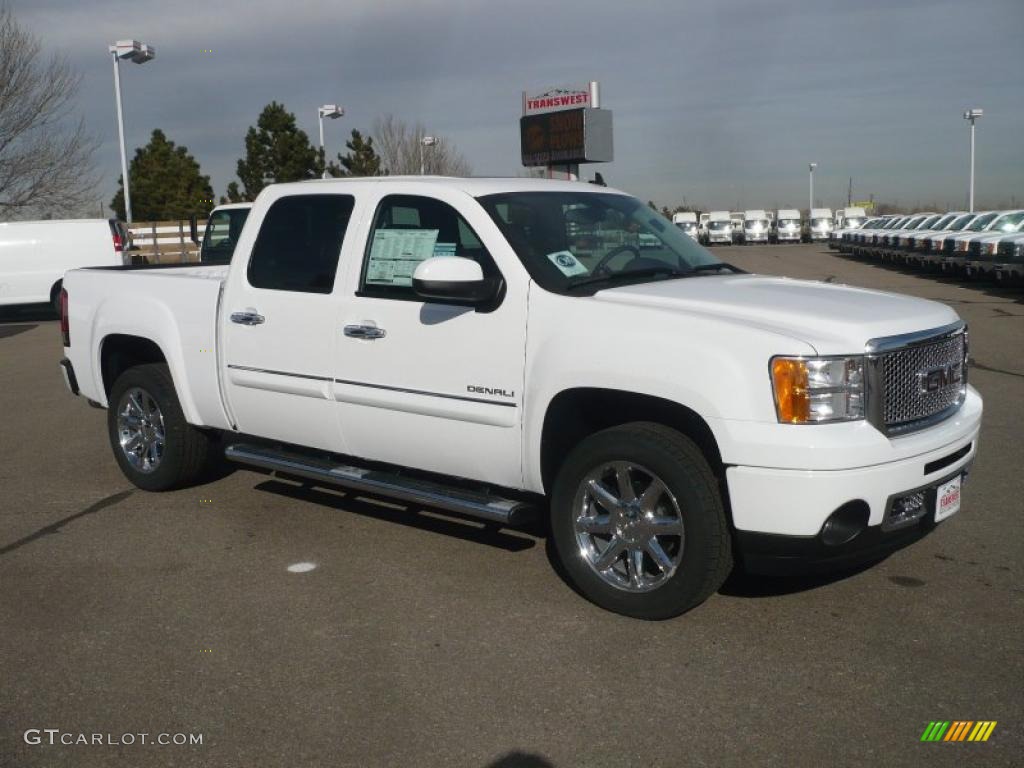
x: 792, y: 401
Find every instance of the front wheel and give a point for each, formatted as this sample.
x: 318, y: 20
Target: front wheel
x: 156, y: 449
x: 638, y: 522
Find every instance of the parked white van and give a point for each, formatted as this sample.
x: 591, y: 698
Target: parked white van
x: 819, y: 226
x: 35, y: 254
x: 787, y: 225
x: 756, y: 226
x: 720, y: 226
x: 686, y: 221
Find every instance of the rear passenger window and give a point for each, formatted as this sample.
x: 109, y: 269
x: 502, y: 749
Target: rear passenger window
x: 408, y: 230
x: 299, y: 243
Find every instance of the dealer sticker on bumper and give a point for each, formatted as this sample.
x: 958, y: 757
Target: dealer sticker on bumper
x: 947, y: 499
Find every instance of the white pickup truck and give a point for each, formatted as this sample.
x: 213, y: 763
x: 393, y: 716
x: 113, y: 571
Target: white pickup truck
x: 502, y: 348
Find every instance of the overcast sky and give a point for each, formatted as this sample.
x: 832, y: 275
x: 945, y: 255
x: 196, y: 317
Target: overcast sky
x: 718, y: 102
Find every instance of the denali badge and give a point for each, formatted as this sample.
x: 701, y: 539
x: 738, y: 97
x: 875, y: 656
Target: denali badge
x: 938, y: 378
x: 490, y: 391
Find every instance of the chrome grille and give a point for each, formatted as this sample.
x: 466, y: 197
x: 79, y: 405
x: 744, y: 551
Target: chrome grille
x: 914, y: 384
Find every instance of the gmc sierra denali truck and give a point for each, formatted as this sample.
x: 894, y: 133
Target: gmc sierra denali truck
x: 505, y: 348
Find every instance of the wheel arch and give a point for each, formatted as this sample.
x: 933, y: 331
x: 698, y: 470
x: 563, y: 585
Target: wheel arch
x: 120, y: 351
x: 575, y: 413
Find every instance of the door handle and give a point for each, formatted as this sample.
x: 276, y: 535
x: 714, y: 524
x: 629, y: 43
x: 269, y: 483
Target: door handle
x: 365, y: 332
x: 247, y: 318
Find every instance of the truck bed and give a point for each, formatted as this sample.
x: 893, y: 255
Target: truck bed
x: 174, y: 306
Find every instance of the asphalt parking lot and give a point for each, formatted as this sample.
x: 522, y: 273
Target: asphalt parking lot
x: 421, y: 640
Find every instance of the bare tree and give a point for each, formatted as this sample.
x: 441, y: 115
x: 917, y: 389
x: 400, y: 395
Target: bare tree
x: 45, y: 168
x: 400, y: 144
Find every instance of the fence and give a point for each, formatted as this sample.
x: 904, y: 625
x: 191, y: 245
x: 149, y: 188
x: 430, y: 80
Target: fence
x: 164, y: 242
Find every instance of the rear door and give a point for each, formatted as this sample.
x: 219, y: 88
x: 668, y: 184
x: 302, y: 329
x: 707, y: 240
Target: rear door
x: 424, y: 384
x: 279, y: 321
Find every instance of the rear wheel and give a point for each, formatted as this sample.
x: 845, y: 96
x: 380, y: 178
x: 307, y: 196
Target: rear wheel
x: 638, y: 522
x: 156, y: 449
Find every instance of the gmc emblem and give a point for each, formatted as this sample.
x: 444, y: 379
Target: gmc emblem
x: 938, y: 378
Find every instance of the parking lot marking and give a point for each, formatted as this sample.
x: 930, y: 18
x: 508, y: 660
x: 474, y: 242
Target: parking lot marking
x: 301, y: 567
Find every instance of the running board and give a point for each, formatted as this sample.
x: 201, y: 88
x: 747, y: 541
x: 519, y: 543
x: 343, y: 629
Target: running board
x: 481, y: 505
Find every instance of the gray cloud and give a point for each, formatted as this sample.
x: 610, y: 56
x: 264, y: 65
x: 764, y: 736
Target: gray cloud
x: 722, y: 103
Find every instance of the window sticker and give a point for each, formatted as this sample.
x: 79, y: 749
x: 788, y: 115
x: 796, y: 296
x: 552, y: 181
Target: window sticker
x: 444, y: 249
x: 567, y: 264
x: 396, y: 253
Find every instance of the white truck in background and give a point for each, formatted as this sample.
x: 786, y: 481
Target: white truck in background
x: 222, y: 232
x: 787, y: 225
x: 756, y: 226
x: 35, y: 254
x: 687, y: 221
x: 372, y: 334
x: 819, y: 225
x: 720, y: 226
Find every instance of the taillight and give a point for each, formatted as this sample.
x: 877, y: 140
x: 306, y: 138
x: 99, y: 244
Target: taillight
x: 118, y: 245
x: 65, y: 326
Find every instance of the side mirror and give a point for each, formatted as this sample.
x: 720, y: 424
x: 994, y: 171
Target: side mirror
x: 193, y: 229
x: 453, y: 278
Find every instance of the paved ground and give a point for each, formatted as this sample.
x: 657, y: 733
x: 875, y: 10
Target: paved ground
x: 422, y: 641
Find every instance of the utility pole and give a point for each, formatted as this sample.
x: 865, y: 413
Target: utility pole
x: 849, y: 193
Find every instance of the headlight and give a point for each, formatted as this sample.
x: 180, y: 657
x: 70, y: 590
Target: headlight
x: 817, y: 390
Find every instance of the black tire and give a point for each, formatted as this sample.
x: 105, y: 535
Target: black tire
x: 189, y: 454
x: 55, y: 296
x: 706, y: 551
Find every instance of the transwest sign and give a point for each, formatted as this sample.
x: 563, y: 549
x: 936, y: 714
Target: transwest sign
x: 559, y: 98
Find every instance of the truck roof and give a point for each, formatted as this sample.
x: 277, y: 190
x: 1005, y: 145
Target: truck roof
x: 473, y: 186
x: 231, y: 206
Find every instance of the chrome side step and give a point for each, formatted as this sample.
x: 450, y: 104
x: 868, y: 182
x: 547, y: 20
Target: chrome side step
x: 481, y: 505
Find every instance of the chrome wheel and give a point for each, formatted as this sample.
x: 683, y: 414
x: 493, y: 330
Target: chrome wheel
x: 140, y: 429
x: 628, y: 526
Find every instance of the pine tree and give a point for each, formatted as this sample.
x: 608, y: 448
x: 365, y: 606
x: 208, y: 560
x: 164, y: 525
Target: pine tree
x: 166, y: 183
x: 275, y: 151
x: 360, y: 160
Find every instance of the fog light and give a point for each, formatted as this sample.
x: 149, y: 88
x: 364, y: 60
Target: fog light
x: 845, y: 523
x: 905, y: 510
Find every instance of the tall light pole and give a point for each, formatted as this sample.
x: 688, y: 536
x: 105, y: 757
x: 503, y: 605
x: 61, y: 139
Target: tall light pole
x: 332, y: 111
x: 971, y: 115
x: 426, y: 141
x: 137, y: 53
x: 810, y: 176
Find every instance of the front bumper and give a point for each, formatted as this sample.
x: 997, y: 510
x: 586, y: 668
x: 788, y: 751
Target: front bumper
x: 780, y: 515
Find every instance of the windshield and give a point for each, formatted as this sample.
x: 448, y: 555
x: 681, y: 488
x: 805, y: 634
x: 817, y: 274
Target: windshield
x: 1008, y: 223
x: 854, y: 223
x: 926, y: 223
x: 819, y: 223
x: 943, y: 222
x: 756, y: 223
x: 687, y: 226
x: 789, y: 223
x: 222, y: 232
x: 960, y: 222
x: 981, y: 222
x: 719, y: 225
x: 566, y: 238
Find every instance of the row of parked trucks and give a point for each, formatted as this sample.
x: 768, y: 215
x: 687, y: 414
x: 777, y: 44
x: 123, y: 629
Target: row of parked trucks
x: 968, y: 244
x: 761, y: 226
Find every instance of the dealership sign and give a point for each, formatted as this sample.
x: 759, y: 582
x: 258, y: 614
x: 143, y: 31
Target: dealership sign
x: 566, y: 137
x: 560, y: 98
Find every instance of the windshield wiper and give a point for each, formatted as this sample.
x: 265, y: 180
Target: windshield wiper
x: 668, y: 272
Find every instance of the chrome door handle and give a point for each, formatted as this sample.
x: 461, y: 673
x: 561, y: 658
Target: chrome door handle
x: 247, y: 318
x: 365, y: 332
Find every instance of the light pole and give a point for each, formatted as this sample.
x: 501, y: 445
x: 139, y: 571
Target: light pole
x: 810, y: 176
x: 426, y: 141
x: 972, y: 115
x: 137, y: 53
x: 332, y: 111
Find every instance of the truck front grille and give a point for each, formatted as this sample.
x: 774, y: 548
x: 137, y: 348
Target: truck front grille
x: 916, y: 383
x: 1006, y: 250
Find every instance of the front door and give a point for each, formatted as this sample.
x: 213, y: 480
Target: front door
x: 279, y: 322
x: 434, y: 386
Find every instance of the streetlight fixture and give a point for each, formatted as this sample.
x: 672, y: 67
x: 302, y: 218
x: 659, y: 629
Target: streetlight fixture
x: 810, y: 176
x: 972, y: 115
x: 332, y: 111
x: 137, y: 53
x: 426, y: 141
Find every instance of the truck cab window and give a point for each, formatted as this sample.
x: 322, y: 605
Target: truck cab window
x: 407, y: 230
x: 299, y: 243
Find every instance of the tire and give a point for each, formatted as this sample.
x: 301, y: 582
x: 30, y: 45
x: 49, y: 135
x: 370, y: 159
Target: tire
x: 187, y: 454
x: 55, y: 296
x: 702, y: 554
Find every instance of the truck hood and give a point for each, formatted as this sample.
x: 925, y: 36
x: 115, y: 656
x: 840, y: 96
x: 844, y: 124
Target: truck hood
x: 834, y: 319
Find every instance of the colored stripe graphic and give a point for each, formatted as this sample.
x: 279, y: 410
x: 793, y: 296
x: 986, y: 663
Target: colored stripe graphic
x: 958, y: 730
